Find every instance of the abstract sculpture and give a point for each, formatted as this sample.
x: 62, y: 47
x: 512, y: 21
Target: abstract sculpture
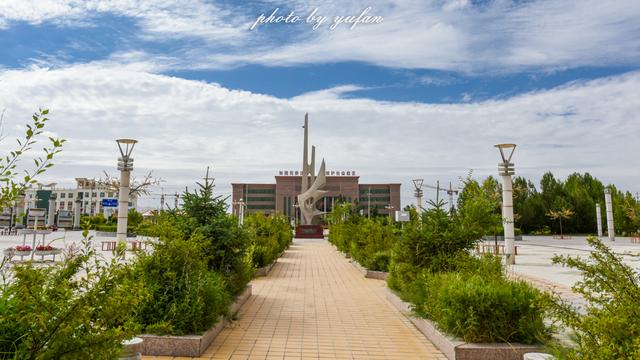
x: 311, y: 184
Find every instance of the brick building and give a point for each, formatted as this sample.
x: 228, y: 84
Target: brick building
x: 341, y: 185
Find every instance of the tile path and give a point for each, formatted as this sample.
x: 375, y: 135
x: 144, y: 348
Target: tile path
x: 315, y: 305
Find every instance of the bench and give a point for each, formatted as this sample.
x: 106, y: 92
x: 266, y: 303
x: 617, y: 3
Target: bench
x: 493, y: 249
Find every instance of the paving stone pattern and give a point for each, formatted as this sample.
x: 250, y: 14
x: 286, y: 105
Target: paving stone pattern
x: 315, y: 305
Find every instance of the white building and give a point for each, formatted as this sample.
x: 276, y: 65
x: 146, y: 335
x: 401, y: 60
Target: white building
x: 88, y: 193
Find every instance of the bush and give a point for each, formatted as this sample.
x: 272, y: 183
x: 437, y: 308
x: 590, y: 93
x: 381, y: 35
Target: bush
x: 270, y: 236
x: 483, y: 309
x: 186, y: 297
x: 81, y: 308
x: 608, y: 327
x: 226, y: 245
x: 429, y: 243
x: 368, y: 241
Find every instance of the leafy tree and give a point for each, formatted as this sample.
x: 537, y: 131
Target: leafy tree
x: 559, y: 215
x: 10, y: 187
x: 608, y: 327
x: 81, y: 308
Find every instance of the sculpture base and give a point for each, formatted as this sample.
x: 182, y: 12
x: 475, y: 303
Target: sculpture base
x: 309, y: 232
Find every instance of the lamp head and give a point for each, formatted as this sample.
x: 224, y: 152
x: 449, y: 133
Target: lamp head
x: 510, y: 148
x: 126, y: 146
x: 418, y: 183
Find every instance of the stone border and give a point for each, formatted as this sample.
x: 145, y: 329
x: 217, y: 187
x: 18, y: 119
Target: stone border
x: 264, y: 271
x: 370, y: 274
x: 190, y: 345
x: 456, y: 349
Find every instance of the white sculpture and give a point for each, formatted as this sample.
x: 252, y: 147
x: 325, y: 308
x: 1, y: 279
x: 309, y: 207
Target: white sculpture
x: 311, y: 184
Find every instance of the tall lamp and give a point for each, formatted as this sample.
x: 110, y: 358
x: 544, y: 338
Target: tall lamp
x: 506, y: 170
x: 125, y: 165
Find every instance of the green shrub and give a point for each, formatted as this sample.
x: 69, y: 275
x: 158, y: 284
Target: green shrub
x: 186, y: 297
x: 368, y: 241
x: 270, y: 236
x: 225, y: 244
x: 483, y: 309
x: 379, y: 261
x: 81, y: 308
x: 608, y: 327
x: 429, y: 243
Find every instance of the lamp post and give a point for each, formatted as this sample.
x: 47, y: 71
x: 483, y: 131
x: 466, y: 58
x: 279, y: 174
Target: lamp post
x: 599, y: 219
x: 506, y: 170
x: 125, y: 165
x: 389, y: 208
x: 418, y: 194
x: 240, y: 205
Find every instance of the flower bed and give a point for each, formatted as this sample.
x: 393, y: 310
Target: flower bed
x: 190, y: 345
x: 457, y: 349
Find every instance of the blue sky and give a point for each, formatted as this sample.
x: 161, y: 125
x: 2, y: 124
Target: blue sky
x: 452, y: 57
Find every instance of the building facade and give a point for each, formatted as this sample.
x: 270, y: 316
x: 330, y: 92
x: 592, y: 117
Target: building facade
x: 281, y: 197
x: 88, y: 194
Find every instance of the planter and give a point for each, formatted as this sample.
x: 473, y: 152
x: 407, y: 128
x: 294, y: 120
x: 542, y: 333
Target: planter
x: 370, y: 274
x: 47, y: 252
x: 456, y: 349
x: 264, y: 271
x: 190, y: 345
x: 22, y: 253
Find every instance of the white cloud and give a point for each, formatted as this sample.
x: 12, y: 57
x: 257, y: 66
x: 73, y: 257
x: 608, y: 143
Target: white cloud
x: 157, y: 18
x: 497, y: 36
x: 184, y: 125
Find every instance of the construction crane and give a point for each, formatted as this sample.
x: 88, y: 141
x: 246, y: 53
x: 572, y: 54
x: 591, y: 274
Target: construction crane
x: 450, y: 191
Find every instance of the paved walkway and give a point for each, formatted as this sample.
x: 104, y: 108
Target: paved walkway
x: 315, y: 305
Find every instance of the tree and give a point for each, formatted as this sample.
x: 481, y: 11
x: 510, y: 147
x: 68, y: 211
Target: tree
x: 559, y: 215
x: 10, y: 188
x: 137, y: 186
x: 608, y: 326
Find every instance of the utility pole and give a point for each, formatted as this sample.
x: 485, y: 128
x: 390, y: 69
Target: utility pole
x: 175, y: 201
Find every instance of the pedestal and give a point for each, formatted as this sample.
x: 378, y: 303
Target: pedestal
x: 309, y: 232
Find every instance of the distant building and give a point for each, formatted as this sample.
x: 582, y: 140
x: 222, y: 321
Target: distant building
x: 341, y: 186
x: 89, y: 192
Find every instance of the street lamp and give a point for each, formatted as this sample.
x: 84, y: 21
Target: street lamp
x: 240, y: 205
x: 506, y: 170
x: 389, y: 208
x: 125, y: 165
x: 418, y: 194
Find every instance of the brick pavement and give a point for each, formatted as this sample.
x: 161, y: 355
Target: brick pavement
x: 315, y: 305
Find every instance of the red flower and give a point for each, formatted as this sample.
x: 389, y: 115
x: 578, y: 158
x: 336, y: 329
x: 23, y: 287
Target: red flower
x: 23, y: 248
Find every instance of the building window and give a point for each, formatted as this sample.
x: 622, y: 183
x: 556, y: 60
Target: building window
x: 62, y: 205
x: 94, y: 194
x: 101, y: 194
x: 86, y: 194
x: 110, y: 194
x: 69, y: 204
x: 261, y: 207
x: 70, y: 196
x: 269, y: 199
x: 62, y: 195
x: 261, y: 191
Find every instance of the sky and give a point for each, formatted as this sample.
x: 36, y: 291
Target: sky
x: 413, y: 89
